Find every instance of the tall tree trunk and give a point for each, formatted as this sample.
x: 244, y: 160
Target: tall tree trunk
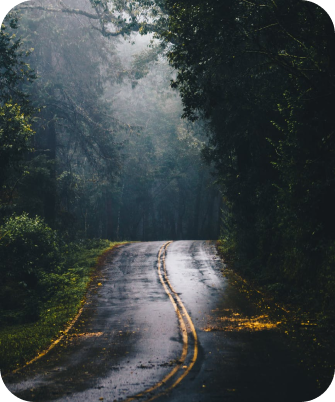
x: 197, y: 206
x: 51, y: 144
x: 119, y: 214
x: 219, y: 217
x: 51, y: 194
x: 181, y: 212
x: 109, y: 212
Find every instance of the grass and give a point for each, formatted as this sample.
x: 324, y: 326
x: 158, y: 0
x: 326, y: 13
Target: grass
x: 21, y: 343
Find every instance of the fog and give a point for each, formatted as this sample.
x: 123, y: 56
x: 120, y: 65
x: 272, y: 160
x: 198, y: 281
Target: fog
x: 112, y: 156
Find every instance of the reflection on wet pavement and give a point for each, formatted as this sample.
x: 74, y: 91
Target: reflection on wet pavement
x: 128, y: 338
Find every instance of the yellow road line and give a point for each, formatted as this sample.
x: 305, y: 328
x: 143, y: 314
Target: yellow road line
x: 168, y: 289
x: 64, y: 333
x: 184, y: 335
x: 194, y: 333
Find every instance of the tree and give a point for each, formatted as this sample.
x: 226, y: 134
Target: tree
x: 262, y: 73
x: 15, y: 108
x: 29, y: 266
x: 110, y: 18
x: 75, y: 130
x: 15, y: 72
x: 166, y: 190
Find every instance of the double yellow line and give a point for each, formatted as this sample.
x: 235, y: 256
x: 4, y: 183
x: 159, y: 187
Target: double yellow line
x: 186, y: 327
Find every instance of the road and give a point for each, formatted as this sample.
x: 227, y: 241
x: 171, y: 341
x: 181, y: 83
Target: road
x: 162, y: 323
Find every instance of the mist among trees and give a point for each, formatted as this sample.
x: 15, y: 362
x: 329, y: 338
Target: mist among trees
x: 172, y: 120
x: 111, y: 157
x: 92, y: 147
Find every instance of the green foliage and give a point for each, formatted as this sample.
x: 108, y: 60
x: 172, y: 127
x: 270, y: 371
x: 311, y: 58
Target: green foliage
x: 74, y: 144
x: 263, y: 74
x: 33, y: 184
x: 15, y: 109
x: 15, y: 135
x: 23, y: 341
x: 29, y: 264
x: 14, y: 69
x: 100, y: 167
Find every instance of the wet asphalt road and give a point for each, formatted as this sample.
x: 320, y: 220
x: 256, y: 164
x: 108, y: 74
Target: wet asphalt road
x: 134, y: 333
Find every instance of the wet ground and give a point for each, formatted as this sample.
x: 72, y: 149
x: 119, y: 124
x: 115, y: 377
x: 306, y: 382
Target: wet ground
x: 167, y: 313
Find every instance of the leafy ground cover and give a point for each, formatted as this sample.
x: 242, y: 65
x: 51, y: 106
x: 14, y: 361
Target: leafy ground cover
x: 310, y: 331
x: 21, y: 342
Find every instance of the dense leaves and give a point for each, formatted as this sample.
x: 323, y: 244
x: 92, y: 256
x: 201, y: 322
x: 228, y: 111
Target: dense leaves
x: 263, y: 74
x: 15, y: 108
x: 94, y: 148
x: 75, y: 128
x: 15, y: 133
x: 29, y: 263
x: 15, y: 72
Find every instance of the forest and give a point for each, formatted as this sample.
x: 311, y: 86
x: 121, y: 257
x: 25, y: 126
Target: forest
x: 166, y: 120
x: 262, y: 75
x: 92, y: 147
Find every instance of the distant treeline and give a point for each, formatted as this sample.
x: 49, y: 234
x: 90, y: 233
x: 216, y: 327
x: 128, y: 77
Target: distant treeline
x: 105, y: 153
x: 92, y: 146
x: 263, y: 74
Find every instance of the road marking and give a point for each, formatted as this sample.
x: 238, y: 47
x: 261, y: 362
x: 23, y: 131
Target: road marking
x: 194, y: 333
x: 53, y: 344
x: 181, y: 313
x: 178, y: 306
x: 66, y: 330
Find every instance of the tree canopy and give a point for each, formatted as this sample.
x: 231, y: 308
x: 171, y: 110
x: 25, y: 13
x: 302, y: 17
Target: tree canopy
x: 262, y: 73
x: 92, y: 142
x: 16, y: 111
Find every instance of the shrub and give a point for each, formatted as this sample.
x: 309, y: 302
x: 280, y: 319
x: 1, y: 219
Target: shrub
x: 29, y: 255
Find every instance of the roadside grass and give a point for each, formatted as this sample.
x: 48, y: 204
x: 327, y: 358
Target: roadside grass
x: 20, y: 343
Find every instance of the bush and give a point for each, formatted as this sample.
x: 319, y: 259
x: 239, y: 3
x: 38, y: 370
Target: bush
x: 29, y: 257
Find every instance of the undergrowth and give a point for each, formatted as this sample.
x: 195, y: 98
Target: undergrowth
x: 311, y: 331
x: 21, y: 342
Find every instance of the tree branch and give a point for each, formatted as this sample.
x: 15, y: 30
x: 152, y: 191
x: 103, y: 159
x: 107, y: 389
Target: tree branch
x: 61, y: 10
x: 105, y: 17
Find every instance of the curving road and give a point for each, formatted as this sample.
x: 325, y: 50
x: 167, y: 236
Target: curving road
x: 164, y: 324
